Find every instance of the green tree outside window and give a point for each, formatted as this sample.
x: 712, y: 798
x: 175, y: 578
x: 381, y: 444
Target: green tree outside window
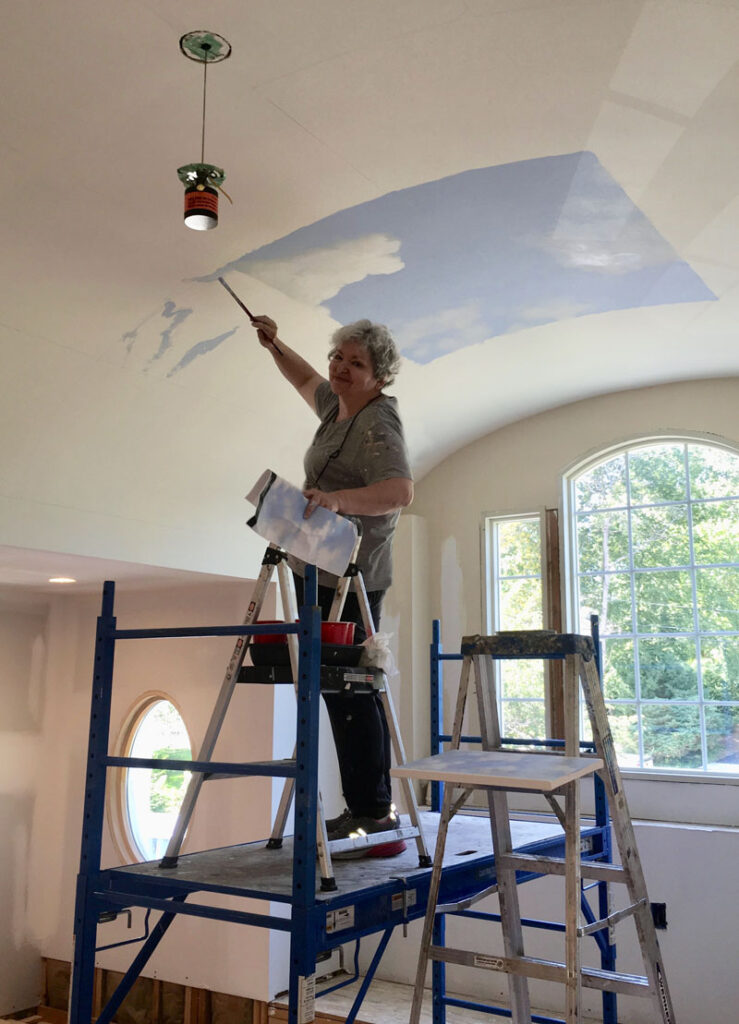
x: 517, y: 603
x: 656, y: 539
x: 154, y: 795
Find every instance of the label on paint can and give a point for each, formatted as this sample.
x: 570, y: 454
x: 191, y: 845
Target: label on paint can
x: 207, y: 200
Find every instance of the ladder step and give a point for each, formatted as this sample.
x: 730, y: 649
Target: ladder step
x: 469, y: 901
x: 545, y: 970
x: 284, y: 768
x: 614, y: 918
x: 556, y: 866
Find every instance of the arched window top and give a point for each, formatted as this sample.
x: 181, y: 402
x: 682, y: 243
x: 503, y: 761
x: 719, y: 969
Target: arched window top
x: 654, y: 537
x: 655, y: 471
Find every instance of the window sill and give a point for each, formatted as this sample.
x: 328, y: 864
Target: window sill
x: 711, y: 802
x: 693, y: 778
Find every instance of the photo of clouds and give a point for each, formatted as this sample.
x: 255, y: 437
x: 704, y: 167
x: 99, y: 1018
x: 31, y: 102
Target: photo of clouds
x: 324, y: 539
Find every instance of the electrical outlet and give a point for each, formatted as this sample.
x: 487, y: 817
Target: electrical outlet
x: 659, y: 914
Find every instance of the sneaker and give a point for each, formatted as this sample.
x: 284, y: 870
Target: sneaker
x: 337, y: 824
x: 346, y: 823
x: 370, y: 826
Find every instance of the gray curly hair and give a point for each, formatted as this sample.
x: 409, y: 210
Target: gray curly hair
x: 378, y: 341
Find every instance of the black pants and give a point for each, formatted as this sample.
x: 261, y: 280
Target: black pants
x: 358, y: 723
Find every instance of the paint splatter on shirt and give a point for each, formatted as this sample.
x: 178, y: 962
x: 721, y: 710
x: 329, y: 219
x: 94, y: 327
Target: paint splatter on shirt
x: 363, y: 450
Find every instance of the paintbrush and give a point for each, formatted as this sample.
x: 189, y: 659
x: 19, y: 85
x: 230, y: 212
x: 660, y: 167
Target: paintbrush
x: 238, y: 302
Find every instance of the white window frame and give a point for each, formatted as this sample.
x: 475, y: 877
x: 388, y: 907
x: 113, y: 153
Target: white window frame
x: 488, y: 561
x: 569, y: 567
x: 116, y: 801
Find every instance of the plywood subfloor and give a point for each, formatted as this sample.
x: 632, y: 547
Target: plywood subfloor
x: 390, y: 1003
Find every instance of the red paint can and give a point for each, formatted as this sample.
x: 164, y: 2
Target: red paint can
x: 201, y: 207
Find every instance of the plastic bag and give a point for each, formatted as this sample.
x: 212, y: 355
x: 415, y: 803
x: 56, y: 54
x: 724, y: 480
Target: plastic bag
x: 376, y: 653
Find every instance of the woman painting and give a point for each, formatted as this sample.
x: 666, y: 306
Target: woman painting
x: 356, y: 465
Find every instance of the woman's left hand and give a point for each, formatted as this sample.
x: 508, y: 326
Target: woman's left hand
x: 322, y: 499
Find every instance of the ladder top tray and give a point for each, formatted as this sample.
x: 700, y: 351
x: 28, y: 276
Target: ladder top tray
x: 530, y: 643
x: 500, y: 769
x: 334, y: 678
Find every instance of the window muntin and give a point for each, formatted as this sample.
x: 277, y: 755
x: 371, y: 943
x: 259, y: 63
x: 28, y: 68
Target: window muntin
x: 656, y: 547
x: 150, y: 799
x: 515, y: 588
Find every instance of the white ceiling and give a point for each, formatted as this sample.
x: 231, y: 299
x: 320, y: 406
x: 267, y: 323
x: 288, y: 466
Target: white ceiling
x: 324, y: 105
x: 33, y: 570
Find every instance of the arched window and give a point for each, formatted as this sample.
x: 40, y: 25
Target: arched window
x: 654, y: 536
x: 148, y: 800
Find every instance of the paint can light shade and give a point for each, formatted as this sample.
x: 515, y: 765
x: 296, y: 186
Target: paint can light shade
x: 201, y: 207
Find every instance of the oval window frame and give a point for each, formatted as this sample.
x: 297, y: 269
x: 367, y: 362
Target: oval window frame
x: 117, y: 806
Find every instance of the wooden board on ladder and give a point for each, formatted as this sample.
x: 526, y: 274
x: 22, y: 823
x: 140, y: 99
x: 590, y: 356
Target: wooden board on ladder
x: 498, y: 772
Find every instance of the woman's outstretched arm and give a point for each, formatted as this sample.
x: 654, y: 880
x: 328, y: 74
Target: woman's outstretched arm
x: 303, y: 377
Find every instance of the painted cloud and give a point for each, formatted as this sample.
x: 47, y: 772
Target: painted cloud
x: 316, y: 274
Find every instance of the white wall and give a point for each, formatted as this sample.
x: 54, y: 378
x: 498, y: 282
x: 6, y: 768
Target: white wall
x: 23, y: 647
x: 406, y: 621
x: 694, y: 869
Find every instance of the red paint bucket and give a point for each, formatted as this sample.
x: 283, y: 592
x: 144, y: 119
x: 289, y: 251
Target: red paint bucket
x: 331, y: 633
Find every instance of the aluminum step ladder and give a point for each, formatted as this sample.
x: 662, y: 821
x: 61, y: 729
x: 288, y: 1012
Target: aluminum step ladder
x: 555, y: 775
x: 276, y: 558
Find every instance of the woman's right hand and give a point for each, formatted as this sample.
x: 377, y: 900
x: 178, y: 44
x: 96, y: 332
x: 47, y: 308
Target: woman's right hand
x: 266, y: 330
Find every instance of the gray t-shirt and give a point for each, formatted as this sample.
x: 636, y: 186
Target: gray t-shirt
x: 365, y: 449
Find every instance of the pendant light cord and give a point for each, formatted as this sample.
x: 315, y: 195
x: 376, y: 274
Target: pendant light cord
x: 206, y: 47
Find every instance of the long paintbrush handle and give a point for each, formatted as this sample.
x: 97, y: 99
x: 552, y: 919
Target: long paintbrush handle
x: 235, y: 297
x: 238, y: 301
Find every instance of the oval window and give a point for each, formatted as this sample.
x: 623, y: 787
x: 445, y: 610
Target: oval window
x: 152, y: 796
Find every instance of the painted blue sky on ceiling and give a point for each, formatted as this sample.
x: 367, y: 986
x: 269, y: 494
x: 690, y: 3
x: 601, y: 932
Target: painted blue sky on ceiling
x: 458, y: 261
x: 483, y: 253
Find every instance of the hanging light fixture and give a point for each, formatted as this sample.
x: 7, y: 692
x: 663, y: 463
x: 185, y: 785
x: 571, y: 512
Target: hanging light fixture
x: 203, y: 181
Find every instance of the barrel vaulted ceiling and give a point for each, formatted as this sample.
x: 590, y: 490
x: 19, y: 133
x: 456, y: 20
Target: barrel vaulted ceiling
x: 539, y: 197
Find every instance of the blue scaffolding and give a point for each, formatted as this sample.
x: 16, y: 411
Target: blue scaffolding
x: 372, y: 897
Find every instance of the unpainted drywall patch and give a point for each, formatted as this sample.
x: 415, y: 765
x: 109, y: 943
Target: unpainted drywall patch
x: 452, y: 594
x: 19, y: 958
x: 453, y: 620
x: 19, y: 852
x: 22, y: 655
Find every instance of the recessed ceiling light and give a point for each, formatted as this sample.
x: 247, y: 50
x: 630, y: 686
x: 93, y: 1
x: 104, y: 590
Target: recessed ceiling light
x: 62, y: 579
